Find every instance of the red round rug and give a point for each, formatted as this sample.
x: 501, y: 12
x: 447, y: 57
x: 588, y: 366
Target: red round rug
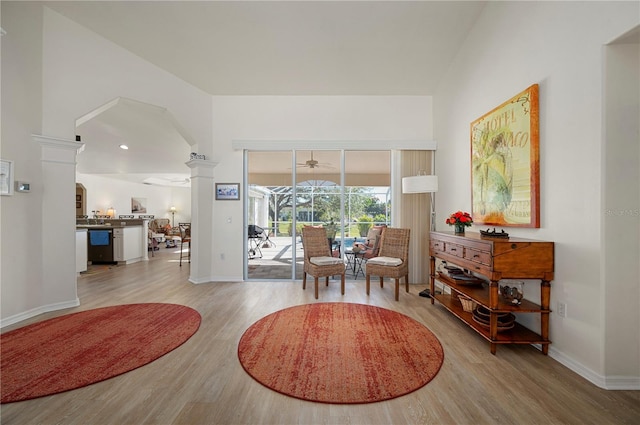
x: 82, y: 348
x: 340, y: 353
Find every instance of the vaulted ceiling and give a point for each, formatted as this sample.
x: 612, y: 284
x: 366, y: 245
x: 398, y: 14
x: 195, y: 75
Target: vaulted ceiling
x: 281, y: 47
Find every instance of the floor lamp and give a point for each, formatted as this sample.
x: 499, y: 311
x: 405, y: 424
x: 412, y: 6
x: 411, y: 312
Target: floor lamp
x: 423, y: 183
x: 173, y: 216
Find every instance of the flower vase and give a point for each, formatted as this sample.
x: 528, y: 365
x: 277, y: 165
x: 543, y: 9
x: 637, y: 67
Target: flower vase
x: 459, y: 229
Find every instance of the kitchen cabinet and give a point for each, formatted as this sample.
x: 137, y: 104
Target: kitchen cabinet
x: 127, y: 244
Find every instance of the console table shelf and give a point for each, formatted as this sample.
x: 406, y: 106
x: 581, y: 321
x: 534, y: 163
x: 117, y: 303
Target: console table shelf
x: 480, y: 294
x: 518, y: 335
x: 495, y: 259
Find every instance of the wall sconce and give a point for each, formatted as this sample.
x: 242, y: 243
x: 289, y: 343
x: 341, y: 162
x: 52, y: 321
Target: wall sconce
x: 173, y: 210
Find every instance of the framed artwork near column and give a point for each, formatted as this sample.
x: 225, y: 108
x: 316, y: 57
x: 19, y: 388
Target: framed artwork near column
x: 227, y: 191
x: 6, y: 177
x: 505, y: 168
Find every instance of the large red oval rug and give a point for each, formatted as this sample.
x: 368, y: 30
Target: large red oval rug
x: 79, y: 349
x: 340, y: 353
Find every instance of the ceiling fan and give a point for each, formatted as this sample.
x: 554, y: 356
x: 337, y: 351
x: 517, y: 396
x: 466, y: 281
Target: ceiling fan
x: 312, y: 163
x: 168, y: 180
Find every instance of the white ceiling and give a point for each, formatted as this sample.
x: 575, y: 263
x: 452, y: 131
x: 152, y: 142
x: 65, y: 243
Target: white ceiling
x: 157, y: 150
x: 273, y: 48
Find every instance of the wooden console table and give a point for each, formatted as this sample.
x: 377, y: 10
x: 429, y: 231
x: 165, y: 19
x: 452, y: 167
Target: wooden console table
x: 495, y: 259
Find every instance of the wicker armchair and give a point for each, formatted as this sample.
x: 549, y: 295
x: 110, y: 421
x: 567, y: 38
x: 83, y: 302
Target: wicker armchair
x: 318, y: 261
x: 392, y: 260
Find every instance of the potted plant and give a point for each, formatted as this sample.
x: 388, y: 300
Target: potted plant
x: 364, y: 224
x: 332, y: 229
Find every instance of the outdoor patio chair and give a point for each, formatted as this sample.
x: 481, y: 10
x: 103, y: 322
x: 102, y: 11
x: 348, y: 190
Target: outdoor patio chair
x: 371, y: 245
x: 257, y: 236
x: 318, y: 260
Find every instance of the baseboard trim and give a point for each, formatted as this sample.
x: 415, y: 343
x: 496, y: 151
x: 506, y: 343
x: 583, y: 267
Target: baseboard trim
x: 214, y: 279
x: 37, y: 311
x: 604, y: 382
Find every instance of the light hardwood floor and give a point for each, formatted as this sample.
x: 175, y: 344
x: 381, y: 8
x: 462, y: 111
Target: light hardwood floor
x: 202, y: 381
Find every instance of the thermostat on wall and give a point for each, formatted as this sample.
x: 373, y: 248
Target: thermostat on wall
x: 23, y: 187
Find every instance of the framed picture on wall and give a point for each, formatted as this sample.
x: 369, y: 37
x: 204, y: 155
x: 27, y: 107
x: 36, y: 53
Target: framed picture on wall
x: 227, y: 191
x: 139, y: 205
x: 6, y: 177
x: 505, y: 169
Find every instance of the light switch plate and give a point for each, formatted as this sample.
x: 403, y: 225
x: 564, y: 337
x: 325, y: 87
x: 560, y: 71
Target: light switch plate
x: 23, y: 187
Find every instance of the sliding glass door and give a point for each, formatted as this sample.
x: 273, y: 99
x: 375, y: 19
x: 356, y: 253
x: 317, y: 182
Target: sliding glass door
x: 346, y: 192
x: 318, y: 192
x: 269, y: 201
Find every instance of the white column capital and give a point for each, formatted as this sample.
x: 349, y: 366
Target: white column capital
x: 57, y: 150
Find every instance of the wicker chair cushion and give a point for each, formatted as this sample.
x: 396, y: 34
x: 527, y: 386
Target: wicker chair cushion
x: 385, y: 261
x: 325, y: 261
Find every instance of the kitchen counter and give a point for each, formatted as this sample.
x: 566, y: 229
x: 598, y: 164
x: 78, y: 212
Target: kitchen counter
x: 105, y: 226
x: 108, y: 222
x: 127, y: 241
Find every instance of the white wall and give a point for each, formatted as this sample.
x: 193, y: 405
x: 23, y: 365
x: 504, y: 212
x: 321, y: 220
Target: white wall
x: 87, y: 71
x: 104, y: 192
x: 298, y: 118
x: 621, y: 208
x: 53, y: 72
x: 558, y: 45
x: 21, y: 227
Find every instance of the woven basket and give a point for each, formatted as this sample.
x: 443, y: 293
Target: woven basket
x: 468, y: 304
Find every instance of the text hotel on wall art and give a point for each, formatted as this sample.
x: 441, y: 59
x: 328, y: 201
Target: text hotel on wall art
x: 505, y: 169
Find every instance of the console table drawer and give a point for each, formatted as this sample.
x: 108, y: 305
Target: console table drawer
x: 454, y: 249
x: 437, y: 245
x: 476, y: 256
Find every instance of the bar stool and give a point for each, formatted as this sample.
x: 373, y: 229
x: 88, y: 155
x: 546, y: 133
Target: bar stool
x: 185, y: 237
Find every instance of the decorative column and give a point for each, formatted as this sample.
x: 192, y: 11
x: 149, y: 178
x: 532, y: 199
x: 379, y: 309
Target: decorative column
x: 58, y: 160
x: 201, y: 219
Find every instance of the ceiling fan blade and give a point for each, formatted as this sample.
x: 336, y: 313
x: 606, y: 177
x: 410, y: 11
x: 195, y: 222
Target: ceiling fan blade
x: 312, y: 163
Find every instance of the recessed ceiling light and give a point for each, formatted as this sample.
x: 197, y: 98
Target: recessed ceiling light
x: 125, y: 147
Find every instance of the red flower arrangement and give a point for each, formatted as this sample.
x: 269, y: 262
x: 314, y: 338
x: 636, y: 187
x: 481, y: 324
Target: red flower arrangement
x: 459, y: 218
